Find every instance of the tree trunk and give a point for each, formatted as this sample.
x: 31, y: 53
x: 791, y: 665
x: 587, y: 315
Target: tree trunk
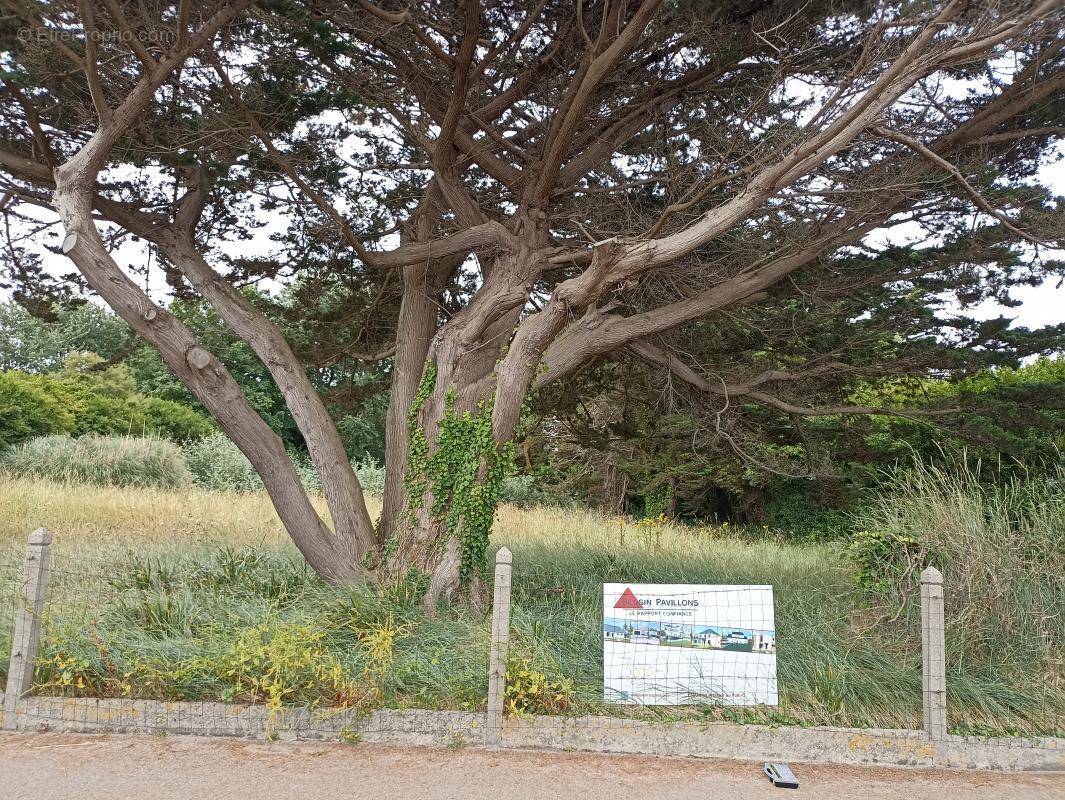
x: 454, y: 473
x: 457, y: 455
x: 340, y: 485
x: 416, y: 326
x: 423, y: 285
x: 201, y: 372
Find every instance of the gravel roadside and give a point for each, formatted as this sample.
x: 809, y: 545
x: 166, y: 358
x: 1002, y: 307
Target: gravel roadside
x: 57, y: 766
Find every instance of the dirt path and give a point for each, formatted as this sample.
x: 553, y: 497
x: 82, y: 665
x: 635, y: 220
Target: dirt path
x: 63, y: 766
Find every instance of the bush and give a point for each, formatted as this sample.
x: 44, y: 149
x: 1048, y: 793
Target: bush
x: 100, y: 460
x: 104, y: 400
x: 371, y: 476
x: 170, y: 420
x: 85, y: 400
x: 136, y: 415
x: 525, y: 491
x: 216, y: 463
x: 794, y: 511
x: 27, y: 410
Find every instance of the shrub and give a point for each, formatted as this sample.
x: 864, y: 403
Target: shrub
x: 84, y: 399
x: 534, y: 689
x: 28, y: 410
x: 97, y: 413
x: 171, y: 420
x: 279, y: 662
x: 526, y: 491
x: 100, y: 460
x: 656, y: 501
x: 795, y: 512
x: 136, y: 415
x: 104, y: 400
x: 371, y: 476
x: 216, y: 463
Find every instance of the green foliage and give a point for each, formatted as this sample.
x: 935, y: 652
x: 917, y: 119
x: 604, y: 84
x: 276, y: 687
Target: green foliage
x: 247, y: 626
x: 464, y: 471
x: 353, y: 396
x: 153, y: 377
x: 371, y: 476
x: 886, y: 562
x: 534, y: 689
x: 1000, y: 546
x: 85, y: 398
x: 170, y: 420
x: 527, y: 491
x: 280, y: 662
x: 31, y: 344
x: 656, y: 500
x: 1015, y: 416
x: 27, y: 409
x: 100, y: 460
x: 417, y: 443
x: 363, y: 433
x: 106, y: 402
x: 792, y: 510
x: 216, y: 463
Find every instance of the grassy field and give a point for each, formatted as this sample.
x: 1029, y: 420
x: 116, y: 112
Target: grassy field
x: 199, y: 595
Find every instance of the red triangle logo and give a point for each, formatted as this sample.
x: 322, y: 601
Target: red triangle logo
x: 628, y: 600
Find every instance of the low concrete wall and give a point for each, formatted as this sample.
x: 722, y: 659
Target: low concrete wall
x: 763, y: 743
x: 596, y: 734
x: 89, y: 715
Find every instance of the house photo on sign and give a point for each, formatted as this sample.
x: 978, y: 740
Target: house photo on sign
x: 685, y: 644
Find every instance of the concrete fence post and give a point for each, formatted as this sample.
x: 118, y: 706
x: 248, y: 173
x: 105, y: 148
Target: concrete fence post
x: 27, y: 631
x: 934, y: 653
x: 497, y: 659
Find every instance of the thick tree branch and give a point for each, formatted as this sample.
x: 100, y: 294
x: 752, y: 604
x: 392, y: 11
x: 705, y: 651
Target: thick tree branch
x: 92, y: 74
x: 586, y: 81
x: 917, y: 59
x: 129, y: 35
x: 597, y: 334
x: 443, y: 154
x: 198, y: 369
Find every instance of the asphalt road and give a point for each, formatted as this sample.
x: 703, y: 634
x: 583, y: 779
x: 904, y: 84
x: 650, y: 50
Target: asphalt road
x: 57, y: 766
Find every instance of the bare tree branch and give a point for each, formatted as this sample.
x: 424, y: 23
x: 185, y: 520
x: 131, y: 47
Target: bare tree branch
x: 969, y: 189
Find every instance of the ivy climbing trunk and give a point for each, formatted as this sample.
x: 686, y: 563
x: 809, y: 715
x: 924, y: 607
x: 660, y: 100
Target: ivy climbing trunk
x: 455, y: 469
x: 460, y: 428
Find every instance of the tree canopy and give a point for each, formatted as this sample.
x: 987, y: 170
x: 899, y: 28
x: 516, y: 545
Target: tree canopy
x: 483, y: 203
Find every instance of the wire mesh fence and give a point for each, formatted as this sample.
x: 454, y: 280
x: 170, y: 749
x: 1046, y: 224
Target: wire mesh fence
x: 10, y: 591
x: 239, y: 642
x: 235, y: 643
x: 790, y: 655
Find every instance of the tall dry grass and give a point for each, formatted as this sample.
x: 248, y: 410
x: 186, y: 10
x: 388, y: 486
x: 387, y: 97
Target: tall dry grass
x: 206, y: 567
x: 1001, y: 548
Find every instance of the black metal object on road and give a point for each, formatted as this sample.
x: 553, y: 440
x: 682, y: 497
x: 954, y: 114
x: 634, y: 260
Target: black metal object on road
x: 780, y: 775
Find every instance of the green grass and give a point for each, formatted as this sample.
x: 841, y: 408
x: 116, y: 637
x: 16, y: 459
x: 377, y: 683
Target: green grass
x: 100, y: 460
x: 215, y: 604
